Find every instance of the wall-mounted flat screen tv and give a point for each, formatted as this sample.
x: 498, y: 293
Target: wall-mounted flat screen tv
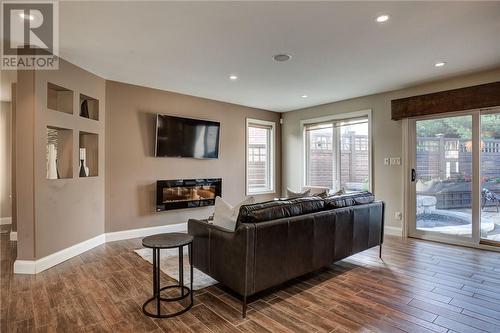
x: 186, y: 137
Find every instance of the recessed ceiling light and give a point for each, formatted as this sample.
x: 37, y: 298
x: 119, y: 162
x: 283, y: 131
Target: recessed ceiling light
x: 27, y: 17
x: 382, y: 18
x: 282, y: 57
x: 439, y: 64
x: 304, y: 96
x: 233, y: 77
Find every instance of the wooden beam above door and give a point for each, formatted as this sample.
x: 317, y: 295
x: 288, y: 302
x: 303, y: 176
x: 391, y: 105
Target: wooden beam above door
x: 475, y: 97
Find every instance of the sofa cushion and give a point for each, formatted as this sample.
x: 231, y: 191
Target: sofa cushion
x: 277, y: 209
x: 349, y: 199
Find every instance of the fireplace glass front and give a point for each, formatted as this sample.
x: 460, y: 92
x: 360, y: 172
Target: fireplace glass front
x: 187, y: 193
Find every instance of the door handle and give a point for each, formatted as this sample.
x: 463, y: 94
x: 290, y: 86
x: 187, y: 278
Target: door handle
x: 413, y: 175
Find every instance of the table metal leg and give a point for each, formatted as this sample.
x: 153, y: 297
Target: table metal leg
x: 158, y: 281
x: 190, y: 254
x: 157, y: 289
x: 181, y: 269
x: 154, y: 273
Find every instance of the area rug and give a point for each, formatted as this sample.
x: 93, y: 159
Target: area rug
x: 169, y: 264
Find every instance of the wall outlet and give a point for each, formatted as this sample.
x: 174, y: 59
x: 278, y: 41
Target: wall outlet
x: 386, y: 161
x: 395, y: 161
x: 398, y: 216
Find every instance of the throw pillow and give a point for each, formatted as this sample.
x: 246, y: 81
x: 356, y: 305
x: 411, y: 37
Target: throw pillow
x: 339, y: 192
x: 225, y: 215
x: 292, y: 195
x: 317, y: 191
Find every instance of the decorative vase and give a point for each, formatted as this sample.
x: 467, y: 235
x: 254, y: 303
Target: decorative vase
x: 84, y: 109
x: 52, y: 172
x: 84, y: 170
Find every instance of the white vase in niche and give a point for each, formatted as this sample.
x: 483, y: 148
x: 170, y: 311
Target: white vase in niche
x: 84, y: 170
x: 52, y: 162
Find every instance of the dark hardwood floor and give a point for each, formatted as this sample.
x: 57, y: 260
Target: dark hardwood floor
x: 419, y: 287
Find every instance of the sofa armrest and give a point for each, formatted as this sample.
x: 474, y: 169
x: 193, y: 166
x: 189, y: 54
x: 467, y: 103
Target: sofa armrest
x: 199, y: 229
x: 226, y: 256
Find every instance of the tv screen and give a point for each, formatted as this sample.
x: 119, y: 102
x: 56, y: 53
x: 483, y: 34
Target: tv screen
x: 185, y: 137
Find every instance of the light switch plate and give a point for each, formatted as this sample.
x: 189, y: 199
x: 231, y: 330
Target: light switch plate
x: 395, y: 161
x: 386, y: 161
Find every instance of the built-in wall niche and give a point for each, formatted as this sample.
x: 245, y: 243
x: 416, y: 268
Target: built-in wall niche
x: 88, y: 165
x: 89, y: 107
x: 59, y: 153
x: 59, y: 98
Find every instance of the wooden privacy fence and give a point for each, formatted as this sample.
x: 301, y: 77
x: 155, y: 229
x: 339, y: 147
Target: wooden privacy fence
x: 449, y: 158
x: 353, y: 160
x: 448, y: 162
x: 257, y: 172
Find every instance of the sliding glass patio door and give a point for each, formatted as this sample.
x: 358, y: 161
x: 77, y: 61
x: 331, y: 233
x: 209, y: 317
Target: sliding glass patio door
x: 490, y: 178
x: 454, y: 177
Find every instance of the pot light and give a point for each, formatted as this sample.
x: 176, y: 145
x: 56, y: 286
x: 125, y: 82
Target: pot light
x: 382, y: 18
x: 304, y: 96
x: 27, y: 17
x: 233, y: 77
x: 439, y: 64
x: 282, y: 57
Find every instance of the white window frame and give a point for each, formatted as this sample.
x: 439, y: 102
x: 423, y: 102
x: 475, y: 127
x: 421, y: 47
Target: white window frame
x: 271, y: 160
x: 336, y: 117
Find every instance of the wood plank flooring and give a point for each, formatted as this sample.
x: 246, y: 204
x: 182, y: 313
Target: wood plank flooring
x: 418, y: 287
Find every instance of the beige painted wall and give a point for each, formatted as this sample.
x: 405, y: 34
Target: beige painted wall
x: 68, y: 211
x: 56, y: 214
x: 132, y: 169
x: 387, y: 136
x: 5, y: 159
x: 24, y: 137
x: 13, y: 227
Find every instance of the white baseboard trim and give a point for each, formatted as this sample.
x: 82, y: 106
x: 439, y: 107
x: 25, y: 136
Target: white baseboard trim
x: 25, y: 267
x: 143, y: 232
x: 13, y: 236
x: 68, y: 253
x: 5, y: 220
x: 393, y: 231
x: 37, y: 266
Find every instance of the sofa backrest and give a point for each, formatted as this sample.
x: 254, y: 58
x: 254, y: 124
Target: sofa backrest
x: 277, y: 209
x: 348, y: 199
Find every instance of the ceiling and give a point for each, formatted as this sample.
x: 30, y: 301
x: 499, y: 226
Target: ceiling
x: 338, y: 50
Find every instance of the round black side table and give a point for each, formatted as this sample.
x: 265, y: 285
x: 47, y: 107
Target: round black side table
x: 169, y: 241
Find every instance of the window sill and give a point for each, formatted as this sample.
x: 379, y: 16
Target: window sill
x: 261, y: 192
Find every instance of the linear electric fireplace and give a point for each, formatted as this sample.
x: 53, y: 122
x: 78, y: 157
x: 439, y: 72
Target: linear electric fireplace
x: 187, y: 193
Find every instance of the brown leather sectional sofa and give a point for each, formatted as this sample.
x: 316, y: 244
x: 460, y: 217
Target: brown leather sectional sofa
x: 279, y: 240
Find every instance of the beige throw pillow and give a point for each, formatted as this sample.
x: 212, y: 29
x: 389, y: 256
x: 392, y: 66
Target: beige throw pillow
x: 293, y: 195
x: 317, y: 191
x: 339, y: 192
x: 225, y: 215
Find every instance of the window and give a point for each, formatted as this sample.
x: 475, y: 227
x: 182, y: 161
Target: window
x: 337, y: 153
x: 260, y: 156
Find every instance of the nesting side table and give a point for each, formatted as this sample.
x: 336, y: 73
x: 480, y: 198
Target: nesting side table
x: 169, y: 241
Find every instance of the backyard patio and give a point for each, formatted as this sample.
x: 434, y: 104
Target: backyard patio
x: 458, y: 222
